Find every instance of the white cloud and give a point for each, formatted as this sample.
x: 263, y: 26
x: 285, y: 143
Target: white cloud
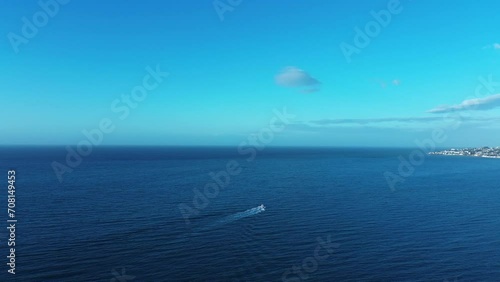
x: 478, y: 104
x: 414, y: 124
x: 295, y: 77
x: 384, y: 84
x: 494, y: 46
x: 375, y: 120
x: 309, y: 90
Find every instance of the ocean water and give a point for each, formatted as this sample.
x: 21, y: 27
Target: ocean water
x: 329, y: 216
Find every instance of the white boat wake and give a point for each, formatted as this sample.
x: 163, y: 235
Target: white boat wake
x: 236, y: 216
x: 240, y: 215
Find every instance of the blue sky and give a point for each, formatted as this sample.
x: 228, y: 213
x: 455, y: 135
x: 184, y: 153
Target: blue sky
x: 227, y: 74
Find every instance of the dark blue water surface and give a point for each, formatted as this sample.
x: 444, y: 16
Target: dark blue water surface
x: 117, y: 216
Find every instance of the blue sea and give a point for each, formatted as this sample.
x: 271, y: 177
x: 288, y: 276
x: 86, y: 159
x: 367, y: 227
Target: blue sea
x: 158, y: 214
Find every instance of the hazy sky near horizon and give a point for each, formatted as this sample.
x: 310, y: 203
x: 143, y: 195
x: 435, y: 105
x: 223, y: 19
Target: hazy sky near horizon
x: 228, y: 72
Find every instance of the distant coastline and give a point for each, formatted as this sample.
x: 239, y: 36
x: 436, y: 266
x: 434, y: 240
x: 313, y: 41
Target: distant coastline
x: 481, y: 152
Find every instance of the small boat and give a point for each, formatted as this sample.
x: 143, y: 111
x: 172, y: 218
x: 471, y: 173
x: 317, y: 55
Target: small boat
x: 262, y: 207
